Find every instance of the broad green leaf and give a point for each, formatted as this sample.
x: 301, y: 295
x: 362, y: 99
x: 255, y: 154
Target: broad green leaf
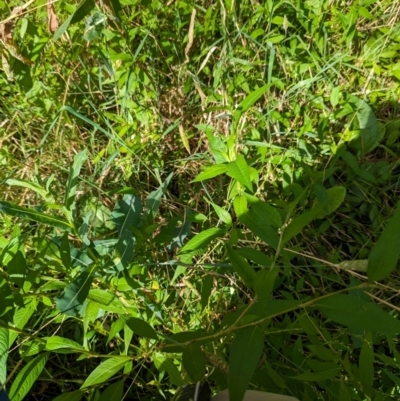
x: 114, y: 392
x: 70, y: 396
x: 194, y: 362
x: 105, y: 370
x: 141, y: 328
x: 206, y: 288
x: 153, y: 201
x: 62, y: 345
x: 30, y: 185
x: 385, y: 254
x: 344, y: 393
x: 202, y: 239
x: 244, y: 356
x: 17, y: 269
x: 4, y: 341
x: 264, y: 281
x: 127, y: 212
x: 211, y: 172
x: 336, y: 196
x: 106, y: 300
x: 259, y: 225
x: 266, y: 212
x: 239, y: 170
x: 324, y: 353
x: 21, y: 317
x: 72, y: 183
x: 255, y: 256
x: 241, y: 267
x: 240, y: 205
x: 335, y: 96
x: 223, y: 215
x: 75, y: 295
x: 26, y: 378
x: 164, y: 364
x: 370, y: 133
x: 65, y: 251
x: 32, y: 214
x: 358, y: 314
x: 84, y: 8
x: 366, y: 365
x: 124, y: 249
x: 248, y: 101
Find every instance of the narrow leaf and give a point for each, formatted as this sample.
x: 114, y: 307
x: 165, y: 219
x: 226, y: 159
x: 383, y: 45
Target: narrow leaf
x: 4, y: 341
x: 73, y: 177
x: 248, y: 101
x: 366, y: 365
x: 240, y: 205
x: 62, y: 345
x: 65, y: 251
x: 32, y: 214
x: 154, y: 199
x: 124, y: 248
x: 385, y: 254
x: 30, y: 185
x: 27, y: 377
x: 211, y: 172
x: 114, y: 392
x: 241, y: 267
x: 75, y: 294
x: 245, y: 353
x: 202, y: 239
x: 105, y: 370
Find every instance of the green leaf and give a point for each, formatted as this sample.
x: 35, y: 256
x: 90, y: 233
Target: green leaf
x: 223, y: 215
x: 127, y: 212
x: 83, y: 10
x: 60, y: 31
x: 319, y: 376
x: 206, y: 288
x: 245, y: 354
x: 141, y: 328
x: 27, y: 377
x: 265, y: 211
x: 62, y: 345
x: 241, y: 267
x: 4, y: 341
x: 248, y: 101
x: 240, y: 205
x: 264, y: 282
x: 32, y: 214
x: 370, y: 134
x: 385, y: 254
x: 30, y: 185
x: 7, y: 301
x: 114, y: 392
x: 194, y: 362
x: 211, y: 172
x: 21, y: 317
x: 335, y: 96
x: 154, y: 199
x: 239, y: 170
x: 336, y: 196
x: 275, y: 376
x: 72, y: 183
x: 75, y: 295
x: 70, y: 396
x: 17, y: 269
x: 164, y: 364
x: 201, y: 240
x: 65, y: 251
x: 124, y: 249
x: 259, y: 226
x: 105, y: 370
x: 366, y: 366
x: 358, y: 314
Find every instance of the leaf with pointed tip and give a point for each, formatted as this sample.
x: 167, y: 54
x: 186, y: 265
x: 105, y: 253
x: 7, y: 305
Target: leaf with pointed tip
x: 245, y: 354
x: 127, y: 212
x: 239, y: 170
x: 72, y: 183
x: 75, y: 295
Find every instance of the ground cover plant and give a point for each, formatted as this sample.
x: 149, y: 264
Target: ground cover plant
x: 199, y: 191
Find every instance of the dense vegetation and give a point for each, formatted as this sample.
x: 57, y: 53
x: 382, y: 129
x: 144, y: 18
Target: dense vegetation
x: 199, y: 190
